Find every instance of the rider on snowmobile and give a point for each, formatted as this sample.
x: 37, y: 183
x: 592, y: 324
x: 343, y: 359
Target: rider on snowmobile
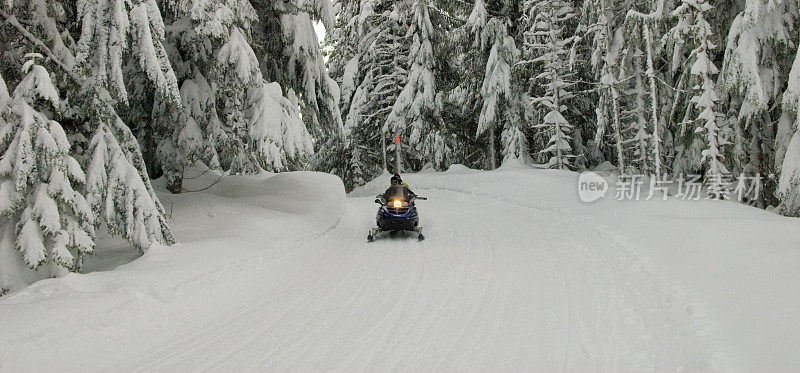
x: 397, y: 212
x: 398, y: 189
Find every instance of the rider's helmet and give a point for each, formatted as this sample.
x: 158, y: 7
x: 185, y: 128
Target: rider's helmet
x: 396, y: 180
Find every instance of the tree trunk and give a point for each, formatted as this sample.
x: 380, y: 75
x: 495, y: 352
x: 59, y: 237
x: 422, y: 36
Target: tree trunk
x: 640, y: 117
x: 651, y: 75
x: 383, y: 149
x: 398, y: 152
x: 617, y: 132
x: 492, y: 151
x: 614, y: 92
x: 174, y: 180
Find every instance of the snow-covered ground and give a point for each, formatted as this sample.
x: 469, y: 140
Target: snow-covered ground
x: 274, y: 273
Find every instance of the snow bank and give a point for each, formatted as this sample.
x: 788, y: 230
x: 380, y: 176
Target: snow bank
x: 317, y: 197
x: 227, y: 233
x: 458, y: 168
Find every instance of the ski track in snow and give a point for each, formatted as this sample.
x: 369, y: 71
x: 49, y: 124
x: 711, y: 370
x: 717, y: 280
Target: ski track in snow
x: 552, y: 294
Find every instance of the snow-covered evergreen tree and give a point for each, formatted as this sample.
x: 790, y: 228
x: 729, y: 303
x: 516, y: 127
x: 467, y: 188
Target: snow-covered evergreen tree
x: 275, y: 130
x: 41, y: 214
x: 197, y: 30
x: 514, y: 139
x: 607, y: 45
x: 4, y: 96
x: 262, y: 128
x: 370, y: 63
x: 463, y: 103
x: 117, y: 186
x: 345, y: 40
x: 789, y: 183
x: 89, y: 102
x: 477, y: 21
x: 551, y: 48
x: 496, y: 89
x: 642, y: 103
x: 688, y: 146
x: 414, y: 113
x: 692, y: 20
x: 760, y: 43
x: 304, y: 68
x: 238, y: 73
x: 647, y: 23
x: 634, y: 114
x: 232, y: 118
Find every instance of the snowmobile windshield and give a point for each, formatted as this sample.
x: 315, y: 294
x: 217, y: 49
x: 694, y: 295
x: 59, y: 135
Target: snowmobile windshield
x: 399, y: 192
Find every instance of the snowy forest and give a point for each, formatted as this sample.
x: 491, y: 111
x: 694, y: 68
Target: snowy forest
x: 99, y: 97
x: 661, y: 88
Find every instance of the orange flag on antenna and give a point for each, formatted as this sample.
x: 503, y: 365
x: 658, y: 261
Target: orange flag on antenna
x: 398, y: 139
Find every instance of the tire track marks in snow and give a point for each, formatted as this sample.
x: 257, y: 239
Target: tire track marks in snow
x: 662, y: 332
x: 478, y: 294
x: 488, y: 246
x: 215, y: 335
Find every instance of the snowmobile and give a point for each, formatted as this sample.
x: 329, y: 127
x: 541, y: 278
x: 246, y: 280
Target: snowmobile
x: 396, y: 215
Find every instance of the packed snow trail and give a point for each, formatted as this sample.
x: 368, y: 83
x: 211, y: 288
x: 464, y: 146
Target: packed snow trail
x: 273, y: 272
x: 481, y: 292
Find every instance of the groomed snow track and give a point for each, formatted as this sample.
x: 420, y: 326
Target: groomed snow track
x: 496, y: 285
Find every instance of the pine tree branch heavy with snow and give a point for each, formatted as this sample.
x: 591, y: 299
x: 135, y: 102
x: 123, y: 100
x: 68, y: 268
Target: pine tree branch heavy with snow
x: 89, y: 105
x: 304, y: 68
x: 106, y: 28
x: 43, y: 217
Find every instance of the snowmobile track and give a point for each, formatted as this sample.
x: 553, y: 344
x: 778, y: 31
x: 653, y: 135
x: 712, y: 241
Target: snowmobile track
x: 559, y: 294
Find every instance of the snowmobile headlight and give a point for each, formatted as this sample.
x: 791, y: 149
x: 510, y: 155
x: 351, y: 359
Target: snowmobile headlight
x: 398, y: 204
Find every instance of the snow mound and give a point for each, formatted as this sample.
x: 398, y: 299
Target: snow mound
x: 292, y: 192
x: 513, y: 163
x: 227, y: 235
x: 605, y: 167
x: 458, y: 168
x: 316, y: 197
x: 377, y: 185
x: 428, y: 169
